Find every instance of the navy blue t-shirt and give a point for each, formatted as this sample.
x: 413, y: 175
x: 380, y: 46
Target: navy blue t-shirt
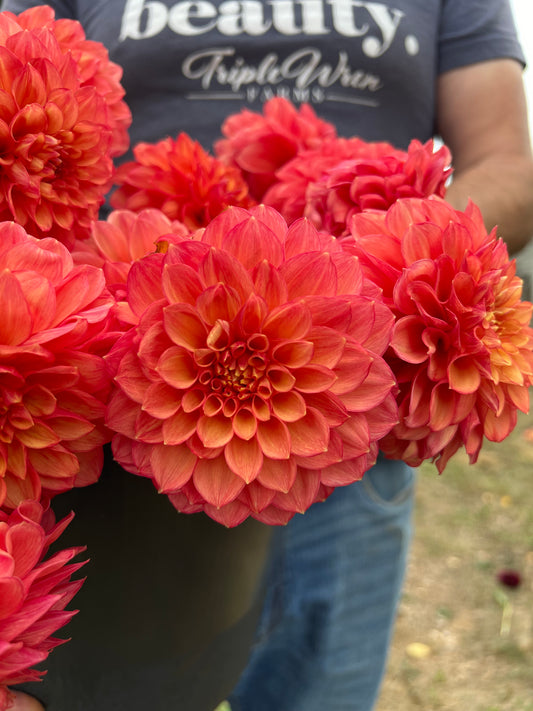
x: 368, y: 67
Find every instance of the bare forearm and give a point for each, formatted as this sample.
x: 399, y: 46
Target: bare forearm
x: 503, y: 190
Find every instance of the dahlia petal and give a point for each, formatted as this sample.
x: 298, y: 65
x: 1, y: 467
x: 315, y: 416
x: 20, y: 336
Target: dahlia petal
x: 291, y: 321
x: 372, y: 392
x: 218, y: 302
x: 312, y: 273
x: 244, y: 423
x: 272, y: 516
x: 11, y: 596
x: 184, y: 326
x: 346, y: 472
x: 177, y: 368
x: 214, y: 431
x: 328, y: 346
x: 16, y: 322
x: 329, y: 405
x: 220, y: 268
x: 149, y: 429
x: 230, y: 515
x: 293, y: 354
x: 302, y: 494
x: 277, y: 474
x: 407, y: 339
x: 274, y: 438
x: 288, y: 406
x: 251, y: 242
x: 39, y: 436
x: 355, y: 436
x: 172, y: 466
x: 497, y: 427
x: 122, y: 414
x: 310, y: 434
x: 464, y: 375
x: 161, y: 400
x: 181, y: 284
x: 179, y: 427
x: 26, y: 545
x: 144, y: 283
x: 315, y: 378
x: 270, y: 285
x: 244, y: 458
x: 54, y: 466
x: 216, y: 482
x: 256, y: 497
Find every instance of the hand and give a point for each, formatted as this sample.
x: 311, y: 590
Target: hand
x: 25, y: 702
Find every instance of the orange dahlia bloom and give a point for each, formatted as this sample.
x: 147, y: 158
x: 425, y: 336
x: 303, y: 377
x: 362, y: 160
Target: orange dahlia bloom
x: 254, y: 382
x: 94, y: 68
x: 343, y: 177
x: 53, y: 380
x: 33, y: 593
x: 259, y: 144
x: 55, y: 136
x: 182, y: 180
x: 462, y: 348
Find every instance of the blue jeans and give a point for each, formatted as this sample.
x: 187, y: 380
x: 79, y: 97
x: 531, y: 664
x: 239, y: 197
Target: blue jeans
x: 333, y: 583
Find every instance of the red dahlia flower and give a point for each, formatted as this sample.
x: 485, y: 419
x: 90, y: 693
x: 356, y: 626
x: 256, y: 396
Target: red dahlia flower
x: 94, y: 67
x: 33, y: 593
x: 181, y: 179
x: 259, y: 144
x: 343, y: 177
x: 55, y: 136
x: 254, y: 382
x: 53, y: 382
x: 462, y: 345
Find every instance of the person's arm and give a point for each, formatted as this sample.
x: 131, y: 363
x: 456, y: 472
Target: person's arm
x: 482, y: 117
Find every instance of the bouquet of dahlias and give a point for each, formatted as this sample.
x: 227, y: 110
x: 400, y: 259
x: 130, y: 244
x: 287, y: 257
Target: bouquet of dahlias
x: 247, y: 358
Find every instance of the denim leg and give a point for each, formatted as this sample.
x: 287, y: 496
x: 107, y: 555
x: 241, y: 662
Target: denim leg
x: 333, y: 584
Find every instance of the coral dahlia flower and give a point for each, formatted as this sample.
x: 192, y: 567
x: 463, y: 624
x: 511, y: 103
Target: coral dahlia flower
x: 53, y: 380
x: 94, y: 67
x: 34, y: 592
x: 259, y: 144
x: 178, y: 177
x: 343, y: 177
x: 55, y: 136
x: 254, y: 383
x: 462, y: 348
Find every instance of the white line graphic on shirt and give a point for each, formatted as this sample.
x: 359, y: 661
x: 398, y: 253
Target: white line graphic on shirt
x: 229, y: 96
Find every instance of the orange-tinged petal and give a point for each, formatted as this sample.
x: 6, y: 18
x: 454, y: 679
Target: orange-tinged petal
x: 160, y: 400
x: 214, y: 431
x: 177, y: 368
x: 16, y: 322
x: 39, y: 436
x: 181, y: 284
x: 216, y: 482
x: 464, y: 375
x: 184, y: 326
x: 274, y: 438
x: 290, y: 321
x: 172, y: 466
x: 218, y: 302
x: 310, y: 434
x: 302, y: 494
x: 314, y: 378
x: 288, y: 406
x: 244, y: 423
x: 251, y: 242
x: 277, y: 474
x: 179, y: 427
x: 244, y: 458
x: 293, y: 354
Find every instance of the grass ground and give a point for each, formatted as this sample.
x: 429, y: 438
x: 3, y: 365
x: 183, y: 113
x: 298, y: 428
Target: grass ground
x: 464, y: 641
